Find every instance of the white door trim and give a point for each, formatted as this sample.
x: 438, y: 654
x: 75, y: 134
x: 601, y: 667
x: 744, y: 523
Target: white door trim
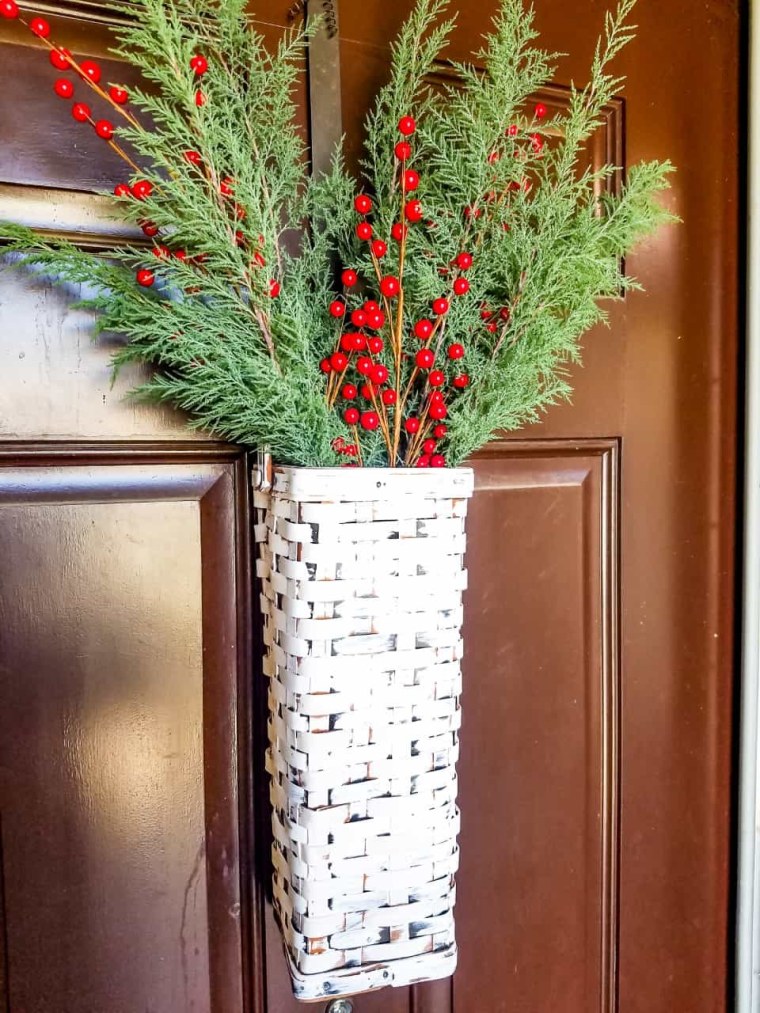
x: 748, y: 893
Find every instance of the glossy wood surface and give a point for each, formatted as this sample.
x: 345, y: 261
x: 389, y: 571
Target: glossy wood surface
x: 596, y: 745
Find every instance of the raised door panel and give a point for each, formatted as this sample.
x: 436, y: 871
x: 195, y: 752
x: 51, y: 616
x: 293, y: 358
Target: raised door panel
x: 119, y: 783
x: 537, y: 891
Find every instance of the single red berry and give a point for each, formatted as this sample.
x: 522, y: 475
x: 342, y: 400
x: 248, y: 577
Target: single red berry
x: 104, y: 129
x: 180, y: 255
x: 362, y: 204
x: 351, y: 416
x: 60, y: 58
x: 240, y: 240
x: 536, y: 142
x: 399, y: 231
x: 349, y: 278
x: 423, y: 329
x: 379, y: 248
x: 436, y: 397
x: 375, y: 345
x: 199, y: 64
x: 440, y: 431
x: 403, y: 151
x: 364, y: 365
x: 540, y: 110
x: 438, y: 411
x: 407, y: 126
x: 389, y: 397
x: 370, y: 420
x: 118, y: 95
x: 337, y: 309
x: 338, y: 361
x: 429, y: 446
x: 412, y: 425
x: 371, y: 306
x: 375, y: 319
x: 258, y: 258
x: 193, y: 157
x: 200, y: 98
x: 227, y: 188
x: 413, y: 211
x: 240, y: 212
x: 492, y: 328
x: 9, y: 9
x: 504, y: 313
x: 274, y: 288
x: 349, y: 391
x: 379, y: 374
x: 358, y: 342
x: 81, y: 112
x: 437, y: 461
x: 436, y: 378
x: 367, y: 391
x: 39, y: 27
x: 389, y: 286
x: 364, y: 230
x: 325, y: 366
x: 122, y: 190
x: 440, y: 307
x: 411, y: 180
x: 63, y: 88
x: 145, y: 277
x: 472, y: 212
x: 347, y: 343
x: 461, y: 381
x: 494, y: 157
x: 423, y: 461
x: 358, y: 318
x: 455, y: 351
x: 464, y: 261
x: 425, y: 358
x: 461, y: 286
x: 161, y: 252
x: 150, y: 229
x: 511, y: 130
x: 143, y: 188
x: 90, y: 69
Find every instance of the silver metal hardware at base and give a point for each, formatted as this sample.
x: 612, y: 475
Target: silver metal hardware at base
x: 340, y: 1006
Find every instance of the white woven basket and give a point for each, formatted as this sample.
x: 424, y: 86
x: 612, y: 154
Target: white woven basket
x: 362, y: 578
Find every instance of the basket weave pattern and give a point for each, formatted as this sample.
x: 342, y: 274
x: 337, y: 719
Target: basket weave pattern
x: 362, y: 578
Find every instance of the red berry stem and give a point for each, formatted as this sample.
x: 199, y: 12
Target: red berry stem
x: 358, y: 444
x: 51, y: 45
x: 406, y: 126
x: 381, y: 409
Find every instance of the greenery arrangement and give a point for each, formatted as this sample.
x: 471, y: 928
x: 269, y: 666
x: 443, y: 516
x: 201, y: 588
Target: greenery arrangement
x: 473, y: 253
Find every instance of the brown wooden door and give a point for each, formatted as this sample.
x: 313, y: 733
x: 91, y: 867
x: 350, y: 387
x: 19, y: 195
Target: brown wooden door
x: 595, y: 773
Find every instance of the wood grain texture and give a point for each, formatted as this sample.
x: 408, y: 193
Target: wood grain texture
x: 120, y: 728
x: 545, y: 824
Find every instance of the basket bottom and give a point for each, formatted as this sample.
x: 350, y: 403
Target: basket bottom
x: 370, y: 977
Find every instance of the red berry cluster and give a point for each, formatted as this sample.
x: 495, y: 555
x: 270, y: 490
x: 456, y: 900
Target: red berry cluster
x: 355, y: 369
x: 90, y: 74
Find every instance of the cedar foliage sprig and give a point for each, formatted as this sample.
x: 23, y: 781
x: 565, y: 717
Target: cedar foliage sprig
x: 236, y: 317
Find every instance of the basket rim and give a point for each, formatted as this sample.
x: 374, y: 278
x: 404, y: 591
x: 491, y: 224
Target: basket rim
x: 335, y: 484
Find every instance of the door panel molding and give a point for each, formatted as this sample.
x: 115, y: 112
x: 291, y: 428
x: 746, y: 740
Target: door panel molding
x: 101, y: 478
x: 568, y: 682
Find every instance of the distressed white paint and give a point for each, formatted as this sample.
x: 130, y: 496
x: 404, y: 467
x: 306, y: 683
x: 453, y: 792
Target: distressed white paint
x: 362, y: 578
